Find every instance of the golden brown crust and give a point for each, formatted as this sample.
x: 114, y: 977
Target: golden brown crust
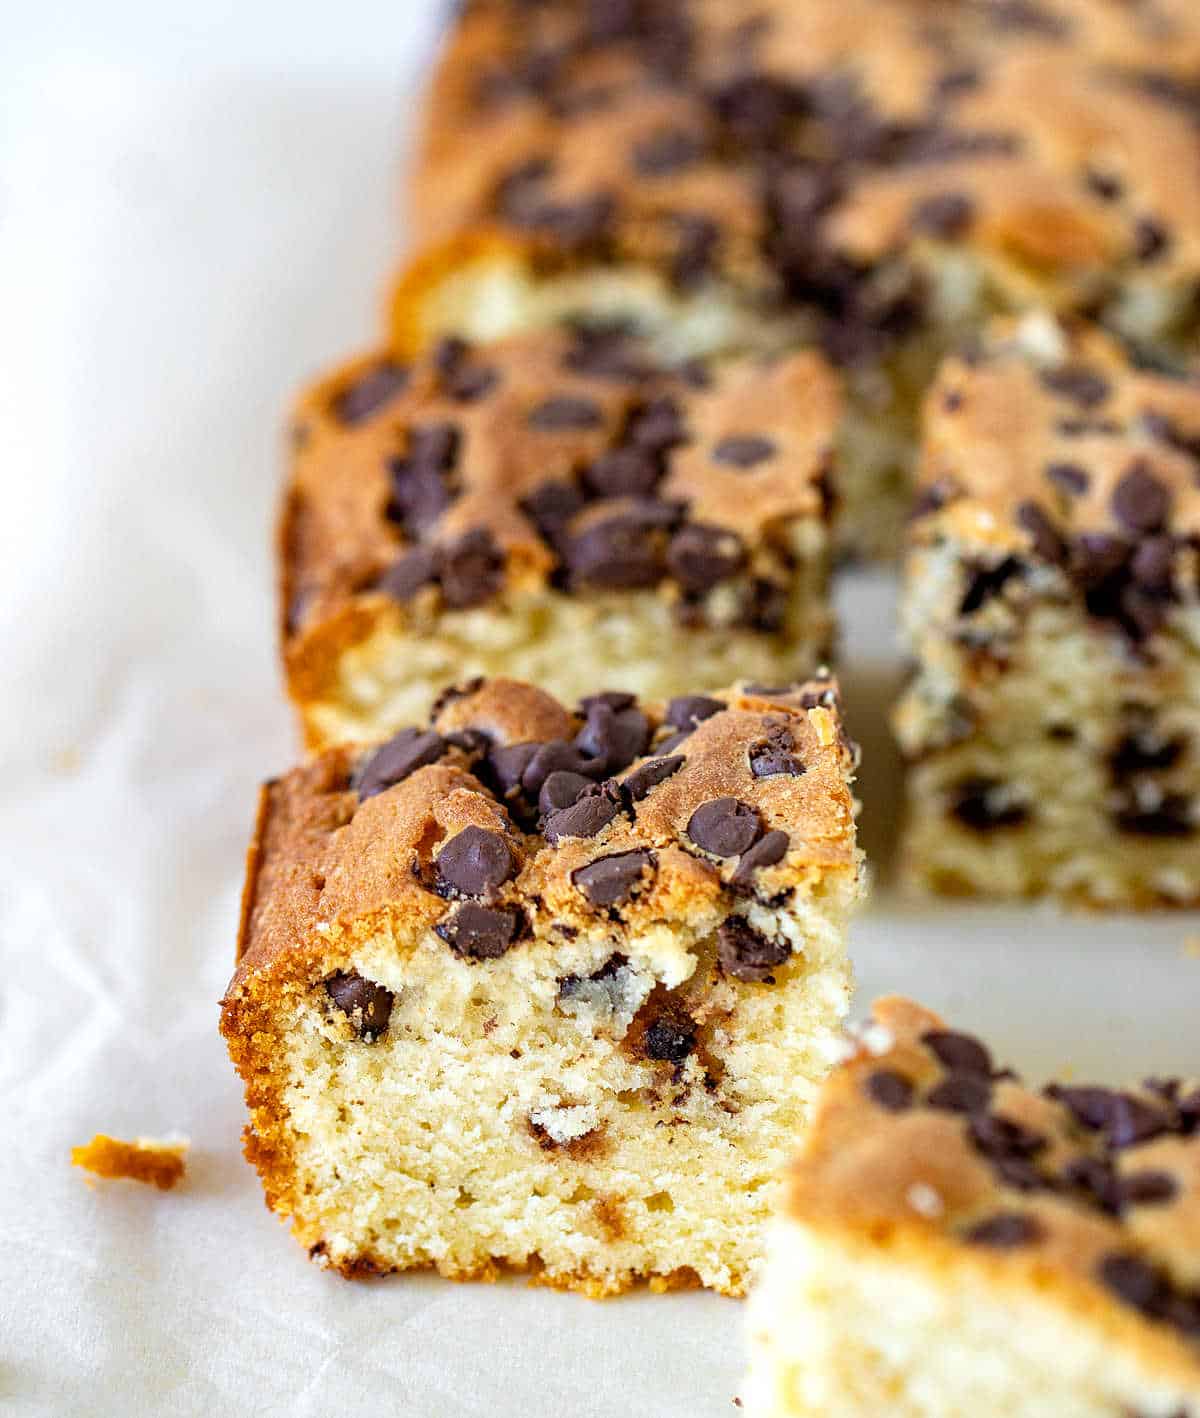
x: 1016, y: 1185
x: 158, y: 1164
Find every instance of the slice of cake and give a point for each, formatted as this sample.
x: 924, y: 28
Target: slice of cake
x: 954, y: 1243
x: 1052, y: 611
x: 547, y: 988
x: 559, y: 507
x: 876, y: 175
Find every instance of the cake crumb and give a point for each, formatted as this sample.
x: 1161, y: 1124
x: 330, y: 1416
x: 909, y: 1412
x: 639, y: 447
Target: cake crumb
x: 155, y: 1161
x: 1191, y: 947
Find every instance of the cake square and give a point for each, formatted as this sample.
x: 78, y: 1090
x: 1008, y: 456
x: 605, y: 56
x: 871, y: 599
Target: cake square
x: 1052, y: 613
x: 548, y: 988
x: 954, y: 1242
x: 863, y: 174
x: 559, y: 507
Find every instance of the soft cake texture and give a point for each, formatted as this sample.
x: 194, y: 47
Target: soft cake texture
x: 738, y: 174
x: 953, y: 1243
x: 560, y: 506
x: 1052, y: 611
x: 494, y: 1011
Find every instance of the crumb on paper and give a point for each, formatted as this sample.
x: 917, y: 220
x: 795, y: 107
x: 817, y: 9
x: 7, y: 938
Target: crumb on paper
x: 67, y: 761
x: 1191, y: 947
x: 737, y: 1402
x: 157, y: 1162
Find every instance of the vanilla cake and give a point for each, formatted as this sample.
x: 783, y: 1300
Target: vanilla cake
x: 548, y: 988
x: 876, y: 175
x: 558, y: 507
x: 1052, y: 612
x: 953, y: 1243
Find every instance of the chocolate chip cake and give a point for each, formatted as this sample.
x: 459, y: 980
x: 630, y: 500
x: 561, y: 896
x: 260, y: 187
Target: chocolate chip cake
x: 1052, y: 610
x: 558, y: 507
x: 548, y: 988
x: 952, y: 1242
x: 878, y: 175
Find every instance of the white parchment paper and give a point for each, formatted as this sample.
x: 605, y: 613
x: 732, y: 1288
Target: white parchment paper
x: 198, y: 208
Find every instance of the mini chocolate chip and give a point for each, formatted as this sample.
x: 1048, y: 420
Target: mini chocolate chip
x: 986, y: 805
x: 700, y: 557
x: 479, y: 932
x: 666, y: 152
x: 614, y: 738
x: 1150, y: 239
x: 725, y: 827
x: 367, y: 1005
x: 590, y: 813
x: 766, y: 852
x: 475, y: 861
x: 609, y: 880
x: 1148, y: 1188
x: 1076, y: 382
x: 560, y: 790
x: 747, y: 954
x: 1132, y: 1281
x: 960, y: 1093
x: 945, y: 215
x: 1005, y: 1231
x: 743, y: 451
x: 889, y: 1089
x: 565, y: 412
x: 471, y: 570
x: 414, y: 570
x: 370, y: 392
x: 688, y: 710
x: 1047, y: 540
x: 1139, y: 501
x: 1069, y: 476
x: 650, y: 774
x: 394, y: 760
x: 960, y: 1052
x: 670, y: 1039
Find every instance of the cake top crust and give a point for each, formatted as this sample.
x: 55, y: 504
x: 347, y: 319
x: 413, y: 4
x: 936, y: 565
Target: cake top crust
x: 1045, y: 445
x: 792, y: 146
x: 565, y: 459
x: 919, y: 1135
x: 513, y: 820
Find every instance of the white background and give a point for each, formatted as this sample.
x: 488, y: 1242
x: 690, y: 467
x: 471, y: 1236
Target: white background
x: 198, y: 209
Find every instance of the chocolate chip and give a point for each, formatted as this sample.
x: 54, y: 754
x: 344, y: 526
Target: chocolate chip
x: 471, y: 570
x: 475, y: 862
x: 986, y: 805
x: 394, y: 760
x: 1047, y: 540
x: 561, y: 789
x: 1124, y: 1119
x: 656, y: 426
x: 1095, y: 1177
x: 1076, y: 382
x: 725, y: 827
x: 670, y: 1038
x: 1153, y: 565
x: 695, y: 250
x: 773, y: 760
x: 1144, y: 751
x: 605, y: 351
x: 1005, y: 1231
x: 550, y: 508
x: 743, y: 451
x: 623, y: 472
x: 700, y: 557
x: 1150, y: 239
x: 1139, y: 501
x: 987, y: 582
x: 367, y: 1005
x: 1148, y: 1188
x: 944, y: 215
x: 999, y: 1137
x: 414, y: 570
x: 666, y: 151
x: 614, y: 699
x: 688, y: 710
x: 507, y: 764
x: 609, y: 880
x: 934, y: 496
x: 1070, y: 477
x: 1172, y: 816
x: 613, y: 738
x: 961, y: 1052
x: 587, y: 816
x: 480, y: 932
x: 370, y: 392
x: 650, y: 774
x: 419, y: 497
x: 766, y: 852
x: 621, y: 553
x: 1132, y: 1281
x: 960, y: 1093
x: 747, y: 954
x: 764, y: 606
x: 557, y: 756
x: 889, y: 1089
x: 565, y: 412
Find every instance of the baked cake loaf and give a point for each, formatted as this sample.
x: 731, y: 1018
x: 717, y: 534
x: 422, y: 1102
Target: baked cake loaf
x: 560, y: 508
x: 879, y: 175
x: 954, y: 1243
x: 548, y: 988
x: 1052, y: 610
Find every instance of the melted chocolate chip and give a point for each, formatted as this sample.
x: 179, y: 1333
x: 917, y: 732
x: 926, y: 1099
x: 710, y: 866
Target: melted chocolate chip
x: 565, y: 412
x: 889, y: 1089
x: 394, y: 760
x: 480, y: 932
x: 589, y: 814
x: 747, y: 954
x: 1005, y: 1231
x: 471, y: 570
x: 621, y: 553
x: 774, y: 758
x: 670, y: 1038
x: 725, y: 827
x: 367, y: 1005
x: 475, y: 862
x: 650, y: 774
x: 743, y: 451
x: 609, y: 880
x: 987, y: 805
x: 699, y: 557
x: 370, y: 392
x: 766, y: 852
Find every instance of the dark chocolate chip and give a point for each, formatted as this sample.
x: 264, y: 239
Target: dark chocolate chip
x: 557, y: 756
x: 609, y: 880
x: 370, y: 392
x: 700, y: 557
x: 507, y: 764
x: 725, y: 827
x: 1125, y: 1120
x: 1148, y: 1188
x: 889, y: 1089
x: 1005, y: 1231
x: 960, y: 1052
x: 1140, y: 501
x: 394, y: 760
x: 414, y: 570
x: 589, y: 814
x: 560, y: 790
x: 623, y: 552
x: 747, y: 954
x: 766, y: 852
x: 471, y: 570
x: 1152, y: 566
x: 1048, y: 542
x: 688, y: 710
x: 476, y: 862
x: 764, y: 606
x: 1094, y: 1176
x: 1150, y: 239
x: 613, y: 738
x: 696, y: 247
x: 550, y: 509
x: 367, y: 1005
x: 986, y: 805
x: 999, y: 1137
x: 1144, y: 751
x: 985, y: 583
x: 566, y: 412
x: 1070, y: 477
x: 944, y: 215
x: 650, y: 774
x: 1132, y: 1281
x: 419, y: 496
x: 1172, y: 816
x: 670, y: 1038
x: 772, y: 760
x: 623, y: 472
x: 480, y: 932
x: 1076, y: 382
x: 743, y: 451
x: 656, y: 426
x: 960, y: 1093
